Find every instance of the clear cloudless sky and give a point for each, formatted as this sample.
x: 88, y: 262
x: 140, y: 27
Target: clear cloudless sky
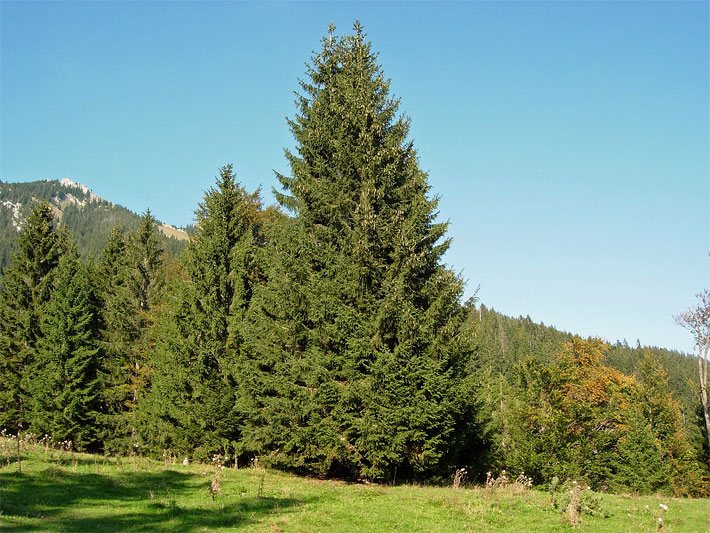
x: 568, y: 141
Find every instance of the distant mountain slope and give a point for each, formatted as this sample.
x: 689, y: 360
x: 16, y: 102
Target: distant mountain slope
x: 88, y: 217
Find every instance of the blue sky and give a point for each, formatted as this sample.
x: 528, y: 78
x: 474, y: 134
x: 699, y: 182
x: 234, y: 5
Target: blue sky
x: 568, y: 141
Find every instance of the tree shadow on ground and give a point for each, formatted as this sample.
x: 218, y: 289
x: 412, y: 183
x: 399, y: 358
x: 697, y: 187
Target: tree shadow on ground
x: 63, y: 500
x: 69, y: 459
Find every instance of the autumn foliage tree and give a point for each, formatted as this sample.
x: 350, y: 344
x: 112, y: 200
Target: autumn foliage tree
x: 579, y: 419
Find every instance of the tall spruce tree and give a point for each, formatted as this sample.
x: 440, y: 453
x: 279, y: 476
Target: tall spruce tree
x: 121, y: 330
x: 360, y: 369
x: 65, y: 389
x: 24, y: 291
x: 193, y: 404
x: 146, y: 283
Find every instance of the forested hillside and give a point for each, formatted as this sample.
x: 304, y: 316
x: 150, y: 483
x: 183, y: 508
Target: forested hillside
x: 324, y: 335
x: 88, y: 217
x: 503, y: 341
x: 506, y: 345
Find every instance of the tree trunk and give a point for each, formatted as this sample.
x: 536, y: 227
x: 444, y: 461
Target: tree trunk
x: 703, y: 371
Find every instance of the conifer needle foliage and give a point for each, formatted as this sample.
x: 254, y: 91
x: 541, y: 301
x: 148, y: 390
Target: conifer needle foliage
x: 357, y: 353
x: 65, y: 400
x: 193, y: 404
x: 24, y: 292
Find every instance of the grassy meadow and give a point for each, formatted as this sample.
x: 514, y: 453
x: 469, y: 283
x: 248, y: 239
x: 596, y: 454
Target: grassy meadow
x: 53, y: 490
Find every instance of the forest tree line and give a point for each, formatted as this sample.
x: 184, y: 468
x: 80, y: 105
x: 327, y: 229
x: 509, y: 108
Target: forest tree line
x: 324, y: 335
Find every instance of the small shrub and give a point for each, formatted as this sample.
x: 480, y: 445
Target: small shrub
x: 459, y: 478
x: 216, y: 485
x: 576, y: 500
x: 516, y: 485
x: 574, y: 506
x: 661, y: 526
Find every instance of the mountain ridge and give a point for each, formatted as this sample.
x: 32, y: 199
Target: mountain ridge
x: 88, y: 216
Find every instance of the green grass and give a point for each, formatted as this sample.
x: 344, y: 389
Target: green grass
x: 75, y: 492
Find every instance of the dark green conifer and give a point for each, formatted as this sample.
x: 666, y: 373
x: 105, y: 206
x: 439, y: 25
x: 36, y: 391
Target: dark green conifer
x: 24, y: 292
x: 640, y: 464
x: 358, y: 327
x: 145, y: 285
x: 65, y: 389
x: 146, y: 255
x: 193, y: 405
x: 120, y: 334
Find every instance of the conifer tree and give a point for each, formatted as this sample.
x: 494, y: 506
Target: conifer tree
x: 146, y: 255
x: 194, y: 395
x: 120, y: 333
x: 65, y: 400
x: 358, y: 326
x: 684, y: 471
x: 640, y: 465
x: 24, y: 292
x: 146, y: 281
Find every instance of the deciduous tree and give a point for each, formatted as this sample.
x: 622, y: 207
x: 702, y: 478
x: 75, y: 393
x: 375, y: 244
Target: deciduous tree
x: 697, y: 321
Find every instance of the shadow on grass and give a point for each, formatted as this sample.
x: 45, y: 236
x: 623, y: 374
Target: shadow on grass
x: 62, y: 500
x: 79, y: 459
x: 11, y: 460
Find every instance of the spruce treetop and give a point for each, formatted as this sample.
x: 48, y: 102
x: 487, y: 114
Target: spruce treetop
x: 346, y: 127
x: 355, y: 180
x: 147, y: 259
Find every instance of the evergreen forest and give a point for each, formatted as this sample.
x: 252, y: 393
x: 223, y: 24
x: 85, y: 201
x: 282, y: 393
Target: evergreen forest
x: 324, y: 335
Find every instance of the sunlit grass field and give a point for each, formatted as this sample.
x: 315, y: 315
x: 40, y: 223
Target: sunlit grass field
x: 51, y: 490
